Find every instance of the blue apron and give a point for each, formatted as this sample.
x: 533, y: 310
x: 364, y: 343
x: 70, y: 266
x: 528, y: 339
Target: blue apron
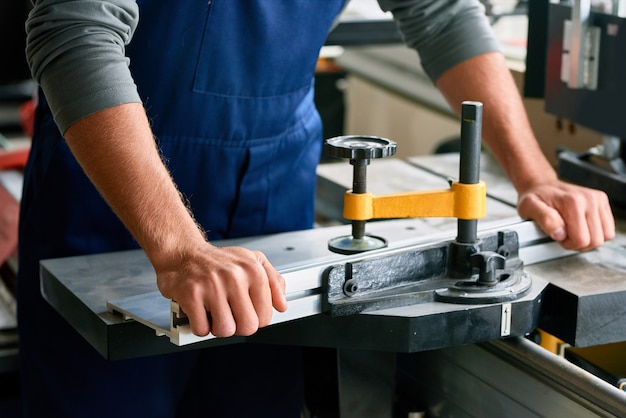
x: 227, y: 85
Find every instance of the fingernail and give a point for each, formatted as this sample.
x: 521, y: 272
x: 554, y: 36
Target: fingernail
x: 558, y: 234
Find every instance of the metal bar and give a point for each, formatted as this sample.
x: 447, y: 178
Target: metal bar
x: 304, y: 284
x: 505, y: 378
x: 471, y: 132
x: 581, y: 11
x: 469, y: 168
x: 562, y: 375
x: 359, y: 186
x: 619, y: 8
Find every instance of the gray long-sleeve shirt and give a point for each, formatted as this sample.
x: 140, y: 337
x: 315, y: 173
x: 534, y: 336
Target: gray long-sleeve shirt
x: 76, y: 49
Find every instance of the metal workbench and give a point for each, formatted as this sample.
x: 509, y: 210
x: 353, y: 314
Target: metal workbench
x: 82, y: 288
x: 578, y: 297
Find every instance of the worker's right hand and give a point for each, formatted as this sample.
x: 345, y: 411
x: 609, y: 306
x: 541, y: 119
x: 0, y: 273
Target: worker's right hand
x: 224, y: 291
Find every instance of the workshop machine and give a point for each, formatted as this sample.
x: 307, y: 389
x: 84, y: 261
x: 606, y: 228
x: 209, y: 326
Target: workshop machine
x: 436, y: 281
x: 450, y: 277
x: 478, y: 273
x: 576, y: 61
x: 406, y: 285
x: 457, y: 295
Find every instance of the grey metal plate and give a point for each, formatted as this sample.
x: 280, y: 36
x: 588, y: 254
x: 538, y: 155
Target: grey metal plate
x: 498, y: 185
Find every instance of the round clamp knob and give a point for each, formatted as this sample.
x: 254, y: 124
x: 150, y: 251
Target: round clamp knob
x: 359, y: 147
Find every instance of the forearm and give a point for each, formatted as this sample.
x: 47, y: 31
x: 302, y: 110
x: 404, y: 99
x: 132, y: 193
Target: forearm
x: 579, y: 218
x: 238, y: 287
x: 117, y: 151
x: 506, y: 130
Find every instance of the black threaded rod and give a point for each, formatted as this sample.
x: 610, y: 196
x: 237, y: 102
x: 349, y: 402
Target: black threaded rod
x: 359, y: 186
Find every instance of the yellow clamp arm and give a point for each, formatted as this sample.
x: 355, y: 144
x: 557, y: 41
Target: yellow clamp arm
x: 462, y: 201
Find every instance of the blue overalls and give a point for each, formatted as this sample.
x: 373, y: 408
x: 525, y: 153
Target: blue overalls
x: 227, y: 85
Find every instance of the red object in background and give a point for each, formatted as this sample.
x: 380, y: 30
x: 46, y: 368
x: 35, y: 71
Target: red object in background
x: 27, y: 117
x: 16, y: 158
x: 9, y: 207
x: 13, y: 159
x: 9, y: 215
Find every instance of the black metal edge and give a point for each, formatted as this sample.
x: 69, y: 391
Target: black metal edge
x: 87, y: 323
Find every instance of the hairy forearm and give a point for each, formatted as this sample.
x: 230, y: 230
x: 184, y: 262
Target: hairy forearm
x: 238, y: 287
x: 506, y: 129
x: 578, y: 217
x: 117, y: 151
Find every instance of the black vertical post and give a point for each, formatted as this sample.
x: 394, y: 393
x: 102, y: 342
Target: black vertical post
x: 469, y: 171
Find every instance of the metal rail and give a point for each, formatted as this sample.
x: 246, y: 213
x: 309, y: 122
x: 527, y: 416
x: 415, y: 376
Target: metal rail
x: 304, y: 283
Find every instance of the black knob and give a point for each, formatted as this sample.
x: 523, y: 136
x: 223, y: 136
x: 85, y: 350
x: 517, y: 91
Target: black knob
x: 487, y: 263
x: 359, y: 147
x: 360, y: 150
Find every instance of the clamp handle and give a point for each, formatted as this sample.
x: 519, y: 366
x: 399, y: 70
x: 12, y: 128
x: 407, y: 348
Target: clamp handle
x: 359, y: 147
x: 487, y: 262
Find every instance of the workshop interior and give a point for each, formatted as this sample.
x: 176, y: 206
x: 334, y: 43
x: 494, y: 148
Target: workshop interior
x: 419, y: 270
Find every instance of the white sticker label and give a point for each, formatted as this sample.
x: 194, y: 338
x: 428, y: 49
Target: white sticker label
x: 505, y: 325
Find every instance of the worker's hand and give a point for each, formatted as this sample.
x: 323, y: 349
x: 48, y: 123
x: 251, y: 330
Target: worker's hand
x: 578, y: 217
x: 224, y: 291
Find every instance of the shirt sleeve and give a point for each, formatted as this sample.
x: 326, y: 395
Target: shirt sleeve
x: 76, y: 52
x: 443, y: 32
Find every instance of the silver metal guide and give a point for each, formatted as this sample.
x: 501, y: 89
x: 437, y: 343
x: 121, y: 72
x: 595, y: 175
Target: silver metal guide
x: 304, y: 280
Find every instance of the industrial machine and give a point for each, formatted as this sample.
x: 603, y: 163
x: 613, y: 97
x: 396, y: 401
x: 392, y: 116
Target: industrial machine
x: 576, y: 62
x: 482, y: 273
x: 424, y: 289
x: 127, y: 317
x: 459, y: 305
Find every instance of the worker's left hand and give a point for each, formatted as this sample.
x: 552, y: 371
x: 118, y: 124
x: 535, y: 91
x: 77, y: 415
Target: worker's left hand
x: 578, y: 217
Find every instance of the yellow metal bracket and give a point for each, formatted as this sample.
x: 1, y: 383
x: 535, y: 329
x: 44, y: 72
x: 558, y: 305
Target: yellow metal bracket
x: 462, y: 201
x: 465, y: 200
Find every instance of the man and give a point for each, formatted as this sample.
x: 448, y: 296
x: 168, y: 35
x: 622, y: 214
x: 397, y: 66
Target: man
x: 213, y: 128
